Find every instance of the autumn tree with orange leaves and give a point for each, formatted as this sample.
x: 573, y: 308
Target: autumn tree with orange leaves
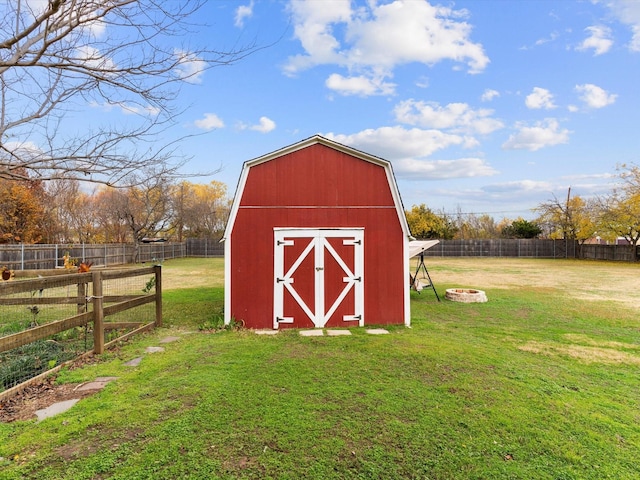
x: 621, y: 209
x: 21, y: 211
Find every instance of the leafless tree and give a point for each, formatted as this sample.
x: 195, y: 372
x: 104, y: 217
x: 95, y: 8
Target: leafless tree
x: 70, y: 213
x: 59, y: 57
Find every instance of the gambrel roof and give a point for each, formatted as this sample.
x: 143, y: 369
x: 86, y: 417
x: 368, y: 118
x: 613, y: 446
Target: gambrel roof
x: 318, y: 139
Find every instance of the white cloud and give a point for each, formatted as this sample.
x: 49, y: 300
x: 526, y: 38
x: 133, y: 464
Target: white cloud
x: 313, y: 26
x: 129, y: 109
x: 520, y: 186
x: 397, y: 142
x: 415, y: 169
x: 96, y: 28
x: 93, y: 28
x: 458, y: 117
x: 26, y: 149
x: 590, y: 176
x: 243, y: 12
x: 489, y: 94
x: 407, y: 149
x: 37, y: 7
x: 628, y: 12
x: 190, y: 68
x: 599, y: 40
x: 552, y: 37
x: 92, y: 58
x: 634, y: 44
x: 126, y: 108
x: 360, y: 85
x: 422, y: 82
x: 264, y: 125
x: 540, y: 98
x: 543, y: 134
x: 374, y: 39
x: 209, y: 122
x: 594, y: 96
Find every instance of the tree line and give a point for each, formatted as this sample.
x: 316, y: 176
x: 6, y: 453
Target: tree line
x: 607, y: 217
x: 65, y: 211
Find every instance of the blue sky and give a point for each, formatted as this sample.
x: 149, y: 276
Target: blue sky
x: 485, y: 106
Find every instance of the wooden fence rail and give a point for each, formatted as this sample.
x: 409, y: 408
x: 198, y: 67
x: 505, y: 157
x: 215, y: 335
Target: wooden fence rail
x: 96, y: 315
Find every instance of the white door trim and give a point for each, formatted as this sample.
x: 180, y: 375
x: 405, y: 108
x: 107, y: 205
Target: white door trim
x: 318, y: 313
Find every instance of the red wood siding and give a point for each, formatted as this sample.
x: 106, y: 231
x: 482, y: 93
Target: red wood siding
x: 319, y: 176
x: 316, y: 187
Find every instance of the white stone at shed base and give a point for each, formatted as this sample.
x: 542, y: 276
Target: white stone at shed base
x: 266, y: 332
x: 311, y: 333
x: 377, y: 331
x: 337, y: 333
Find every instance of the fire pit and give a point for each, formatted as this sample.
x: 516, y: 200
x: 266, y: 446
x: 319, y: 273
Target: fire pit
x: 465, y: 295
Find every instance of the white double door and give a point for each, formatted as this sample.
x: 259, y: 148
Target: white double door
x: 318, y: 277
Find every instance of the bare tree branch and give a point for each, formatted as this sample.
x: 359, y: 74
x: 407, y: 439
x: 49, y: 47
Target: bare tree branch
x: 59, y: 57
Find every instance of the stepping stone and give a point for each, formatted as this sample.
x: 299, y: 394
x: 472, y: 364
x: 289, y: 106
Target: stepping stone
x: 377, y: 331
x: 266, y: 332
x: 154, y: 349
x: 311, y: 333
x: 134, y: 363
x: 98, y: 384
x: 56, y: 408
x: 169, y: 339
x: 337, y: 333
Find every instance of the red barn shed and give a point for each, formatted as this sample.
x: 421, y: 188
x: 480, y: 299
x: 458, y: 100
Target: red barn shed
x: 317, y: 237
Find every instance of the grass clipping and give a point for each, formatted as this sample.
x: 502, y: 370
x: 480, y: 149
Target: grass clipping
x: 587, y: 350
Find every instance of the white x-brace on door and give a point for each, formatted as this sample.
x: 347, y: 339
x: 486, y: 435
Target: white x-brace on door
x: 319, y: 272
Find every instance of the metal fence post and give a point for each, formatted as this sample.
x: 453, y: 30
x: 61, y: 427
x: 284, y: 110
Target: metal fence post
x: 98, y: 313
x: 158, y: 275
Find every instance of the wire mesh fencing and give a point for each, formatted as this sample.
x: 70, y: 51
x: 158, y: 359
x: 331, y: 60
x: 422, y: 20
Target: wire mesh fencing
x: 49, y: 320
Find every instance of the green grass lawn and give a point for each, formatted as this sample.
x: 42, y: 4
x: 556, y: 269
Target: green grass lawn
x: 534, y: 384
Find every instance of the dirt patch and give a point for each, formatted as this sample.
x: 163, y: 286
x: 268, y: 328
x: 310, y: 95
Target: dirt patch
x: 587, y: 354
x: 583, y: 339
x: 24, y: 404
x: 84, y: 447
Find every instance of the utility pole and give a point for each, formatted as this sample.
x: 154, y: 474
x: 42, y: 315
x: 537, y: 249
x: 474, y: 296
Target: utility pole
x: 566, y: 224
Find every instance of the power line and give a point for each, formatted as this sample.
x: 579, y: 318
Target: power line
x: 483, y: 213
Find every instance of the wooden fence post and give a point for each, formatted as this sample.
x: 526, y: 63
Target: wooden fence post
x: 158, y: 272
x: 98, y: 313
